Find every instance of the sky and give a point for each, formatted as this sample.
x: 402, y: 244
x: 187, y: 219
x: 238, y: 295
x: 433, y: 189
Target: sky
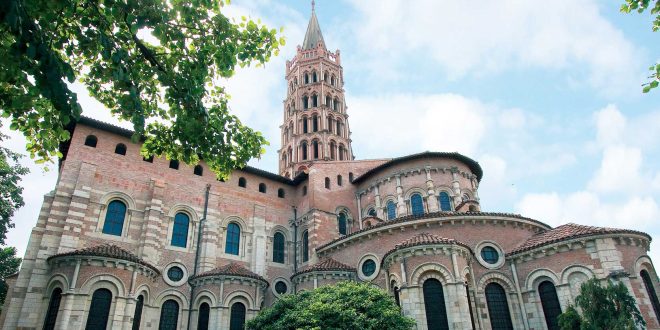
x: 546, y: 96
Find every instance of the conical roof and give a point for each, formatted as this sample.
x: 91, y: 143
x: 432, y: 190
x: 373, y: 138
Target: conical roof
x: 313, y: 35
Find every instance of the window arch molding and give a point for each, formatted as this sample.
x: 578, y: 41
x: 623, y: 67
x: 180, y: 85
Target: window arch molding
x: 568, y: 271
x: 349, y: 216
x: 539, y: 275
x: 204, y: 297
x: 145, y: 292
x: 105, y: 281
x: 58, y: 280
x: 244, y: 232
x: 499, y: 278
x: 171, y: 294
x: 193, y: 223
x: 370, y: 208
x: 279, y: 229
x: 644, y: 263
x: 450, y: 195
x: 431, y: 270
x: 240, y: 296
x: 108, y: 198
x: 415, y: 190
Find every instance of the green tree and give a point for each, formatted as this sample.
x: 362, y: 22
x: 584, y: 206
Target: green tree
x: 346, y: 305
x: 640, y: 6
x: 9, y: 265
x: 10, y: 192
x: 608, y: 307
x: 155, y: 63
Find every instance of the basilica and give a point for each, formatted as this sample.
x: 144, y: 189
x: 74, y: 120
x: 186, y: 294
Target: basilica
x: 126, y: 242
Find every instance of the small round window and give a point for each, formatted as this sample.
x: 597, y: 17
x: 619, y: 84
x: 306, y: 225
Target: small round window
x: 490, y: 255
x: 280, y: 287
x: 368, y: 267
x: 175, y: 274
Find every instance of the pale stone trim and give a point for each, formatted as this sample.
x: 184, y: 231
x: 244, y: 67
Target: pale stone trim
x: 289, y: 286
x: 575, y: 268
x: 499, y: 278
x: 182, y: 281
x: 240, y: 296
x: 174, y: 294
x: 103, y: 210
x: 363, y: 259
x: 428, y: 270
x: 205, y: 296
x: 493, y: 244
x: 537, y: 276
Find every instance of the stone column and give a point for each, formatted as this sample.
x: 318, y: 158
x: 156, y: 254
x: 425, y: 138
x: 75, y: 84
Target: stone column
x: 152, y: 238
x: 401, y: 208
x: 259, y: 240
x: 379, y: 207
x: 456, y: 186
x: 432, y: 200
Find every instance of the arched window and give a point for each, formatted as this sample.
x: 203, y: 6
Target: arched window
x: 174, y: 164
x: 278, y: 248
x: 53, y: 309
x: 120, y: 149
x: 203, y: 318
x: 371, y: 212
x: 327, y: 183
x: 314, y: 77
x: 650, y: 290
x: 498, y: 307
x: 137, y: 317
x: 338, y: 128
x: 391, y: 210
x: 233, y: 238
x: 305, y: 101
x: 305, y: 125
x: 333, y: 152
x: 114, y: 218
x: 339, y: 180
x: 328, y: 101
x: 332, y: 80
x: 169, y: 315
x: 180, y: 230
x: 416, y: 204
x: 198, y: 170
x: 304, y: 191
x: 90, y: 141
x: 242, y: 182
x: 99, y: 310
x: 325, y: 76
x: 280, y: 193
x: 262, y: 188
x: 315, y: 123
x: 315, y: 101
x: 237, y: 318
x: 306, y: 78
x: 341, y: 219
x: 350, y: 176
x: 341, y: 152
x: 434, y: 304
x: 335, y: 105
x: 315, y: 149
x: 305, y: 246
x: 303, y: 147
x: 396, y: 296
x: 445, y: 202
x: 550, y: 303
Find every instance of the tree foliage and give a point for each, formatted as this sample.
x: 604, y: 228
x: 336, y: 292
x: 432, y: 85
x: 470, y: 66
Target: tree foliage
x: 608, y: 307
x: 346, y: 305
x: 10, y: 192
x: 155, y: 63
x: 641, y: 6
x: 9, y: 265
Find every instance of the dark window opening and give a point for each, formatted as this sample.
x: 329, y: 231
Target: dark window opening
x: 174, y: 164
x: 169, y: 315
x: 550, y: 303
x: 242, y: 182
x: 305, y: 246
x: 445, y: 202
x: 417, y: 204
x: 53, y: 309
x: 650, y: 290
x: 149, y: 159
x: 368, y: 267
x: 137, y: 317
x: 120, y: 149
x: 278, y: 247
x: 280, y: 287
x: 199, y: 170
x: 339, y: 180
x: 341, y: 219
x: 327, y: 183
x: 237, y: 318
x: 498, y: 307
x: 114, y: 218
x: 262, y: 188
x: 203, y: 318
x: 280, y: 193
x: 391, y: 210
x: 434, y: 305
x: 180, y: 230
x: 490, y: 255
x: 233, y: 239
x: 350, y: 176
x: 100, y: 309
x: 90, y: 141
x: 304, y: 191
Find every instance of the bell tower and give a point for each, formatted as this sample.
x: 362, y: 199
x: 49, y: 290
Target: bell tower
x: 315, y: 124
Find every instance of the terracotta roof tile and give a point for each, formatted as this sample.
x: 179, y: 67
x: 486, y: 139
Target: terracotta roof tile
x: 566, y: 232
x: 109, y: 251
x: 327, y: 264
x: 425, y: 239
x: 231, y: 269
x: 442, y: 214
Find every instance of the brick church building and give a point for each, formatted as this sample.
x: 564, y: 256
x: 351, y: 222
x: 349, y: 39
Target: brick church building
x: 124, y: 242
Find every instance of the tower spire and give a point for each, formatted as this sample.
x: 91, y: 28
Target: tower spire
x: 313, y: 35
x: 313, y: 3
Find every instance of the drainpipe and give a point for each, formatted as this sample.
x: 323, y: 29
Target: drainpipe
x: 197, y: 252
x: 295, y: 240
x: 523, y: 310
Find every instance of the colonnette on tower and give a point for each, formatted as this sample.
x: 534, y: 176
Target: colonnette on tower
x: 124, y: 242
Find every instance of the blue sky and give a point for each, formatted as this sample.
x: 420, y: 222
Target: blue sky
x: 545, y: 95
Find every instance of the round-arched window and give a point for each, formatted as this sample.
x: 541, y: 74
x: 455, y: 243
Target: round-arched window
x: 490, y: 255
x: 175, y: 274
x: 369, y: 267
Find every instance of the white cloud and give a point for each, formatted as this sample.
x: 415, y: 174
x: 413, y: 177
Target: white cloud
x: 610, y: 125
x: 620, y: 170
x: 465, y: 39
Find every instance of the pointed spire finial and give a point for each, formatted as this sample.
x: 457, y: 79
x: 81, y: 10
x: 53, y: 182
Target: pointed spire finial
x: 313, y: 4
